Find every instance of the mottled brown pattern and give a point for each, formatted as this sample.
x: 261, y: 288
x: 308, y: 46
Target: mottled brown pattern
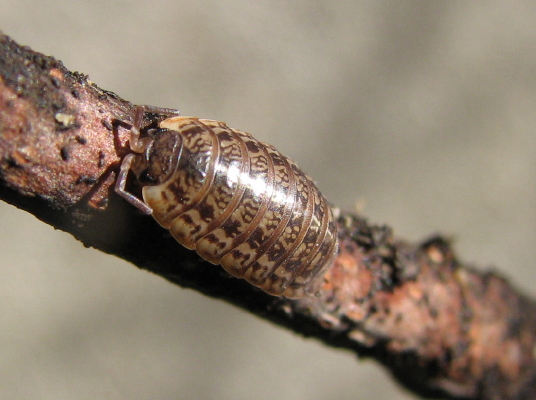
x: 242, y: 204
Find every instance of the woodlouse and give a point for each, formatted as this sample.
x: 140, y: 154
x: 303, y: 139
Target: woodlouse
x: 235, y: 200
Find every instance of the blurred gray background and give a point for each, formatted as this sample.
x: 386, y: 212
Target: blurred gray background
x: 423, y: 111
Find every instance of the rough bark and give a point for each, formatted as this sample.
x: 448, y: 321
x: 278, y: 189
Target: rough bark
x: 442, y: 328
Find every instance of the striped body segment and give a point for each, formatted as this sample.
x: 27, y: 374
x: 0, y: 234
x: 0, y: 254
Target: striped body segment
x: 239, y: 203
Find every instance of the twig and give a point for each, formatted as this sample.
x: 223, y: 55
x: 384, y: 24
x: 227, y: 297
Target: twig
x: 439, y: 326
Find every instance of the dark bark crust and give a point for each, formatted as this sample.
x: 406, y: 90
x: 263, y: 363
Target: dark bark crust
x: 442, y: 328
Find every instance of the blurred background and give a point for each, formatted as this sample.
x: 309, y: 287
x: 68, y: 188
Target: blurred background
x: 423, y: 112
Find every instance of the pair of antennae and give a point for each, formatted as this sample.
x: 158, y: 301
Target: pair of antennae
x: 137, y: 145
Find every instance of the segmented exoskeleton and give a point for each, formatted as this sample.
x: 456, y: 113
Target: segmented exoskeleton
x: 235, y: 200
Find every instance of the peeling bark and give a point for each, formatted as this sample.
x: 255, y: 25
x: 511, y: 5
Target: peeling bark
x: 442, y: 328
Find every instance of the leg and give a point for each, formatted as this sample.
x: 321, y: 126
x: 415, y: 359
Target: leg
x: 137, y: 144
x: 121, y: 181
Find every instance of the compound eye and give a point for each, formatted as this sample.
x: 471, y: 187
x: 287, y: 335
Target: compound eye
x: 145, y: 178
